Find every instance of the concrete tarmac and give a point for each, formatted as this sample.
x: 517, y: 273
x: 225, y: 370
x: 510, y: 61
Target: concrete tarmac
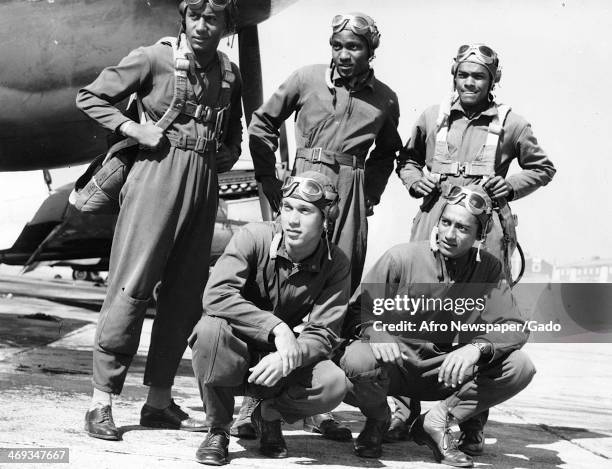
x: 562, y: 420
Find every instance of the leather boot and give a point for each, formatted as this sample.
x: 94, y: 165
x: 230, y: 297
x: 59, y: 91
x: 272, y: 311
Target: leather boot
x: 326, y: 425
x: 271, y: 443
x: 472, y: 440
x: 213, y: 450
x: 172, y: 417
x: 99, y: 423
x: 369, y: 442
x: 441, y: 441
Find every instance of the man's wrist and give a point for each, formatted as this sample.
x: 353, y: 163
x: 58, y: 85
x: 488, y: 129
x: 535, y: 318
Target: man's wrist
x: 485, y: 348
x: 124, y: 129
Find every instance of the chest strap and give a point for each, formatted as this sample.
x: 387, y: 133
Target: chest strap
x: 484, y: 164
x: 330, y: 158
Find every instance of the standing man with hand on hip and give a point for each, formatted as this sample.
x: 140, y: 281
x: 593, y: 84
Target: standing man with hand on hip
x: 468, y: 139
x: 168, y: 206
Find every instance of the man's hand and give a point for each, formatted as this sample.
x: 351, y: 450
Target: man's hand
x: 369, y: 205
x: 287, y: 347
x: 271, y: 187
x: 498, y: 187
x: 147, y: 135
x: 268, y: 371
x: 226, y: 158
x: 458, y: 365
x: 424, y: 186
x: 387, y: 352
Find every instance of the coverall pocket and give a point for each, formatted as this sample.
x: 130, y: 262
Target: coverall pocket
x: 122, y: 326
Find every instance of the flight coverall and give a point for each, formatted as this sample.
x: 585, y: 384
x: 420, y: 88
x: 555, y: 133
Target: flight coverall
x: 168, y: 208
x: 466, y: 139
x: 412, y: 270
x: 254, y: 287
x: 344, y: 123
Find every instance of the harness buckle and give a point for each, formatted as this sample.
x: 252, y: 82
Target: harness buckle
x: 316, y: 154
x: 200, y: 145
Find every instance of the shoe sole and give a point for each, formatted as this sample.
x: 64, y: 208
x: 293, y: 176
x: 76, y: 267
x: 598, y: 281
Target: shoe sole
x: 471, y: 453
x: 312, y: 429
x: 434, y: 450
x: 208, y: 462
x: 274, y: 456
x: 367, y: 456
x: 165, y: 426
x: 103, y: 437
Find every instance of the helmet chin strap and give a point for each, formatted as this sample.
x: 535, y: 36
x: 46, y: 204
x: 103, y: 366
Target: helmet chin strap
x: 326, y: 234
x: 433, y: 239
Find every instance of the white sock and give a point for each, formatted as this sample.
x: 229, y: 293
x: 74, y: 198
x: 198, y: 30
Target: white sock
x: 100, y: 399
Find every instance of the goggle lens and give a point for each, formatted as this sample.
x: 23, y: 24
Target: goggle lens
x: 309, y: 189
x: 476, y: 204
x: 199, y: 5
x: 486, y: 53
x: 357, y: 24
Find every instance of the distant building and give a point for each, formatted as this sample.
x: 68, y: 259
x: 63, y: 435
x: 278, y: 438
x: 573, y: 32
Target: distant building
x: 595, y: 270
x: 536, y: 268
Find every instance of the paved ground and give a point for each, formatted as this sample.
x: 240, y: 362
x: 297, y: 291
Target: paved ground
x: 564, y: 418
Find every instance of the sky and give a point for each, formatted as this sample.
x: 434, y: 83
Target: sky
x: 556, y: 58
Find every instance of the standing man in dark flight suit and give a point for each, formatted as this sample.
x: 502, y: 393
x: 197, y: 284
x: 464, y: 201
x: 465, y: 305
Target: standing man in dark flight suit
x: 485, y: 368
x: 168, y: 209
x: 341, y: 111
x: 272, y: 277
x: 454, y: 143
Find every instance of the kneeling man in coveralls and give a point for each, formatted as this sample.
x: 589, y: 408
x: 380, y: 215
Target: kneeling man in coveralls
x: 467, y: 369
x: 272, y: 277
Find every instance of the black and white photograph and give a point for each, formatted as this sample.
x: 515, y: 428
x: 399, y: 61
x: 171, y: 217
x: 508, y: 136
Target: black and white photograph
x: 287, y: 233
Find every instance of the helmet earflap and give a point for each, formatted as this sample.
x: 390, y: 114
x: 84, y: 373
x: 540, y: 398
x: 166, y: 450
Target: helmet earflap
x: 332, y: 211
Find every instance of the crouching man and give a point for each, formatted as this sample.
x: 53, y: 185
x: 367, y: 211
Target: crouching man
x: 465, y: 357
x: 272, y: 277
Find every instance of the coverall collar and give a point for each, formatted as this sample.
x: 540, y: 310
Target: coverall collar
x: 364, y: 81
x: 312, y: 263
x: 490, y: 111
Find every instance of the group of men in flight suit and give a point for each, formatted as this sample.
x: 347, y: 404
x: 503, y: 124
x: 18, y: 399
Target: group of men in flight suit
x: 285, y: 318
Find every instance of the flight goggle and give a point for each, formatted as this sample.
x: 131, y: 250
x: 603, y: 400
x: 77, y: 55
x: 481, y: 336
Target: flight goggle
x: 358, y: 24
x: 475, y: 203
x: 199, y: 5
x: 308, y: 189
x: 484, y: 53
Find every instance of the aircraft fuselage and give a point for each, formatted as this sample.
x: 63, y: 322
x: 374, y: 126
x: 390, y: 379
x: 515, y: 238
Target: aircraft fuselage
x: 49, y: 49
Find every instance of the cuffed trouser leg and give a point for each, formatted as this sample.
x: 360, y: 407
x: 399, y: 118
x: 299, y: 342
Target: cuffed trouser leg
x: 157, y: 201
x: 492, y: 385
x: 369, y: 380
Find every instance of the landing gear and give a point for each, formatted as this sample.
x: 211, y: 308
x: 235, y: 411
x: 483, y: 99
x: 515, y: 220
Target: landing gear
x: 80, y: 275
x: 86, y: 275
